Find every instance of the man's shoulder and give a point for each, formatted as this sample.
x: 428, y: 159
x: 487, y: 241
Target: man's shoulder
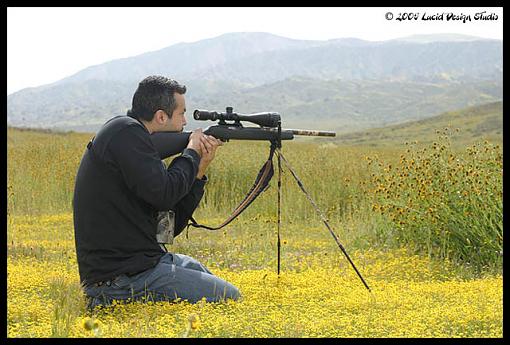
x: 116, y: 128
x: 120, y: 122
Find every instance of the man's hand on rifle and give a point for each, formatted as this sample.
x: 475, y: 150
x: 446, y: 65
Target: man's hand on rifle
x: 208, y: 144
x: 195, y: 141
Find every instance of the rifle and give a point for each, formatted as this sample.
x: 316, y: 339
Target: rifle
x: 171, y: 143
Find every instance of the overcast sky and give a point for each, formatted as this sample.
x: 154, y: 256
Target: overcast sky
x: 47, y: 44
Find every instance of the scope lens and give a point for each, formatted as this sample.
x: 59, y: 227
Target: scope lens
x: 201, y: 115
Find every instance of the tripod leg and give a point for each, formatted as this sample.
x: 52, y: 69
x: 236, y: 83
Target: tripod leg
x: 300, y: 184
x: 279, y: 206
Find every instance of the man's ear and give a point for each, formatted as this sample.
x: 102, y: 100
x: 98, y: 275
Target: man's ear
x: 159, y: 116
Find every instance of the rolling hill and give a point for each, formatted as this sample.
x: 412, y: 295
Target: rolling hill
x: 483, y: 122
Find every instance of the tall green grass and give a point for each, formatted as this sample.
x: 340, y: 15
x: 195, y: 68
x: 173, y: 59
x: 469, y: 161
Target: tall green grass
x: 42, y: 167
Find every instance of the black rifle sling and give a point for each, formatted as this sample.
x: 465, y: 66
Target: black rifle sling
x: 261, y: 184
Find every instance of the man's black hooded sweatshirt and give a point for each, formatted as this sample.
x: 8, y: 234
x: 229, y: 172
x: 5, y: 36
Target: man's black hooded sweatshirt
x: 120, y: 186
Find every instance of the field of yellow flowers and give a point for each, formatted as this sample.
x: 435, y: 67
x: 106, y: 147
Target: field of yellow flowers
x: 317, y: 293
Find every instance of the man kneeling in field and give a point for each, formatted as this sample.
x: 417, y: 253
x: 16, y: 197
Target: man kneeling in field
x: 122, y: 186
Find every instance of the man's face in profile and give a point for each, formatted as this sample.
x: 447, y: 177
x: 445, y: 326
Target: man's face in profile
x: 178, y: 120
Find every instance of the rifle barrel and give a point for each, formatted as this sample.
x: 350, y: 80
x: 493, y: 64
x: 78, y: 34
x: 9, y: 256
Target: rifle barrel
x: 311, y: 132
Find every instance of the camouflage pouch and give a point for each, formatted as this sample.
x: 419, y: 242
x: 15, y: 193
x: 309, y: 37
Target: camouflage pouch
x: 166, y: 224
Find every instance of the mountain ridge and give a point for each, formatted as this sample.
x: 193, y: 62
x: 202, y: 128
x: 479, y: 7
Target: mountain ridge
x: 235, y: 69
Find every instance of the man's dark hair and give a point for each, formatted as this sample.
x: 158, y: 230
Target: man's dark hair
x: 154, y: 93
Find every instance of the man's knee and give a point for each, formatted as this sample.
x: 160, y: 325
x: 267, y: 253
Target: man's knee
x: 235, y: 294
x: 227, y: 291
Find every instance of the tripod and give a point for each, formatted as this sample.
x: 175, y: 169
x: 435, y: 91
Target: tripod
x: 301, y: 186
x: 262, y: 183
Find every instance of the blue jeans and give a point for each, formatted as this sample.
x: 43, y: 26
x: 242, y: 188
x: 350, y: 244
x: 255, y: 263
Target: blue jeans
x: 175, y: 276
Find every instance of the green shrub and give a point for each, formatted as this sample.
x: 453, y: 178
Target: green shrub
x: 444, y: 203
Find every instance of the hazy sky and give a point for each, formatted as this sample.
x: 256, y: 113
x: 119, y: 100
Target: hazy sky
x: 47, y: 44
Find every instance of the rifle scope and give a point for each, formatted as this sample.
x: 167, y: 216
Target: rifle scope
x: 261, y: 119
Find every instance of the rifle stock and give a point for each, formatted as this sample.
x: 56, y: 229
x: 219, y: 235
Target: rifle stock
x: 170, y: 143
